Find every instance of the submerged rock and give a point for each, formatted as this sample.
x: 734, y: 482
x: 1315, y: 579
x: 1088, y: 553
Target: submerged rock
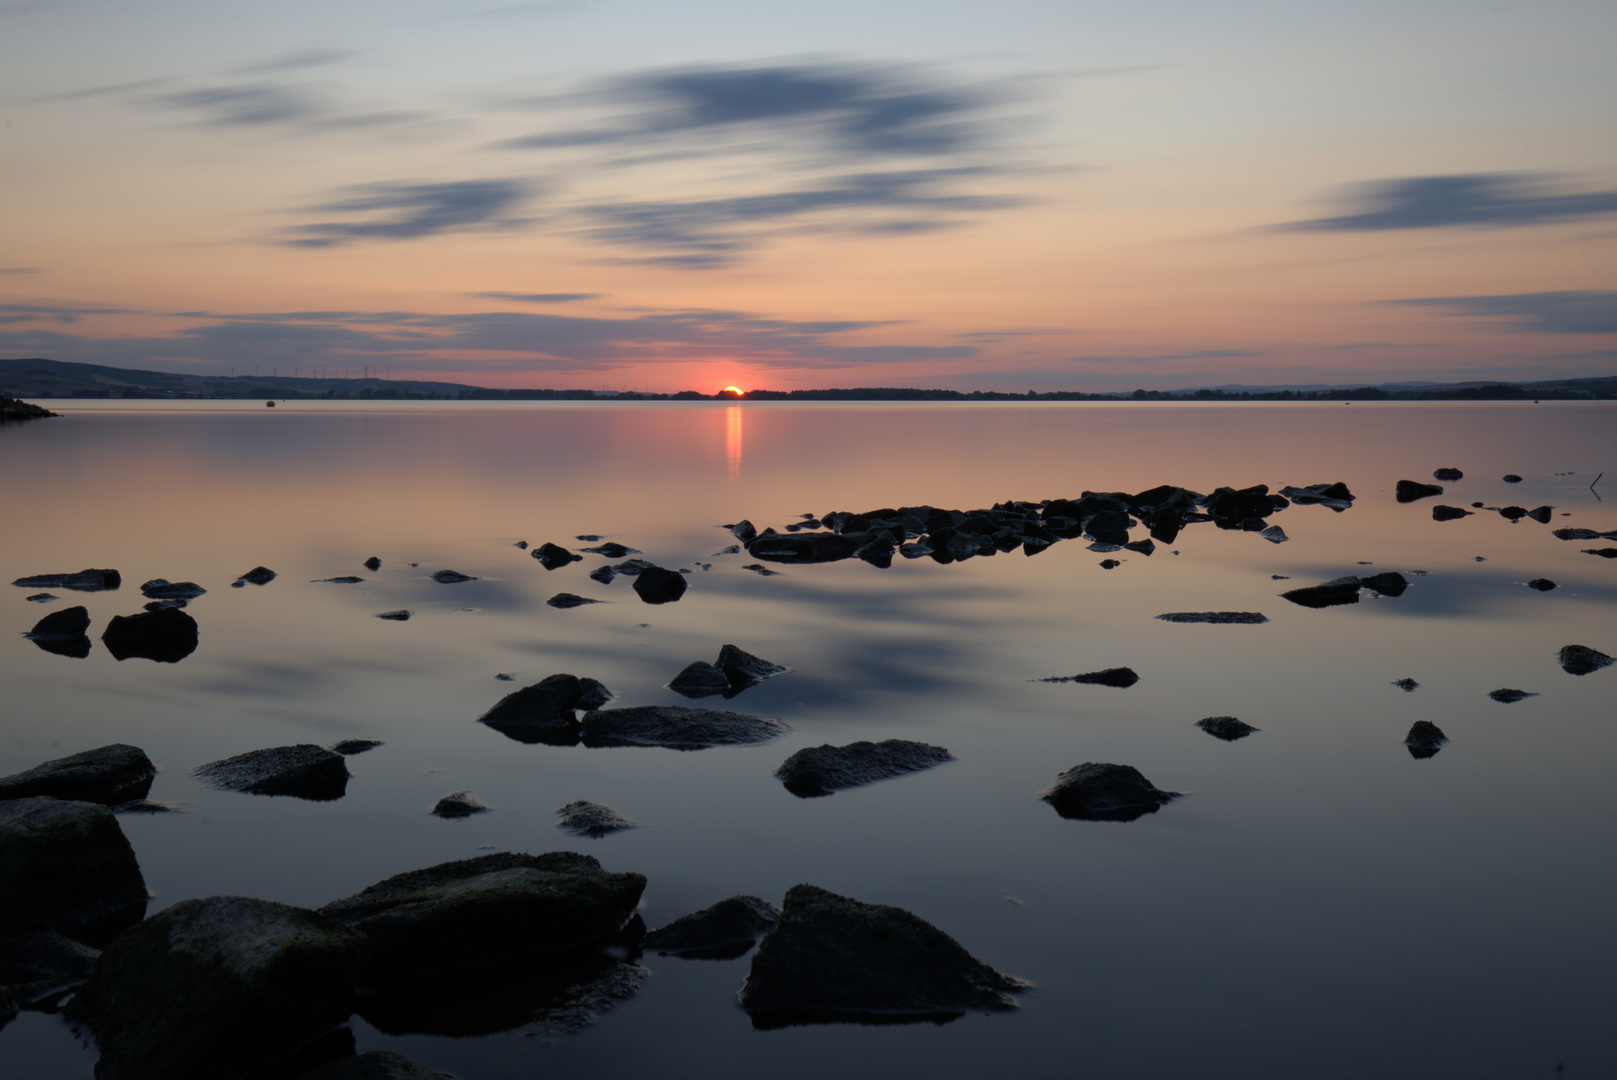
x: 830, y: 958
x: 1449, y: 513
x: 107, y: 775
x: 820, y: 770
x: 1227, y: 728
x: 655, y: 585
x: 305, y: 770
x: 83, y: 581
x: 1447, y: 474
x: 1542, y: 584
x: 1387, y: 583
x: 554, y: 556
x: 1336, y: 496
x: 1096, y: 791
x: 1274, y: 534
x: 164, y: 589
x: 1120, y: 677
x: 677, y: 727
x: 66, y: 866
x: 1507, y: 695
x: 1410, y: 490
x: 1579, y: 534
x: 1511, y: 478
x: 258, y: 575
x: 1604, y: 553
x: 349, y: 747
x: 459, y: 804
x: 41, y: 598
x: 451, y: 577
x: 761, y: 570
x: 805, y: 547
x: 721, y: 932
x: 611, y: 550
x: 504, y: 906
x: 1581, y: 660
x: 565, y: 600
x: 1213, y: 617
x: 591, y: 819
x: 167, y: 636
x: 216, y: 987
x: 346, y: 579
x: 1424, y: 739
x: 1541, y: 514
x: 398, y: 615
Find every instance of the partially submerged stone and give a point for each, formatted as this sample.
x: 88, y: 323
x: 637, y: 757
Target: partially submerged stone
x: 167, y: 636
x: 451, y: 577
x: 1511, y: 478
x: 164, y: 589
x: 107, y: 775
x: 566, y: 600
x: 258, y: 575
x: 305, y: 770
x: 820, y: 770
x: 217, y: 987
x: 1227, y: 728
x: 459, y: 804
x: 1121, y: 677
x: 831, y: 958
x: 345, y: 579
x: 699, y: 679
x: 1342, y: 590
x: 554, y: 556
x: 677, y: 727
x: 372, y: 564
x: 1213, y: 617
x: 547, y: 703
x: 1424, y: 739
x: 611, y: 549
x: 591, y: 819
x: 1604, y: 553
x: 1336, y: 496
x: 64, y: 624
x: 657, y: 585
x: 1410, y: 490
x: 497, y: 907
x: 41, y: 962
x: 743, y: 669
x: 1581, y: 660
x: 1387, y: 583
x: 1542, y: 584
x: 1447, y: 474
x: 1449, y: 513
x: 721, y: 932
x: 1405, y: 684
x: 349, y: 747
x: 1274, y: 534
x: 397, y: 615
x: 41, y: 598
x: 1508, y: 695
x: 1097, y: 791
x: 66, y: 866
x: 83, y: 581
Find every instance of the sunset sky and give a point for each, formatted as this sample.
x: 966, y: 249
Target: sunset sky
x: 610, y: 194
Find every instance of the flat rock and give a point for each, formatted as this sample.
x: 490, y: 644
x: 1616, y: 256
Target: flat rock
x: 164, y: 589
x: 677, y: 727
x: 721, y: 932
x: 591, y: 819
x: 107, y: 775
x: 554, y: 556
x: 699, y: 679
x: 258, y: 575
x: 1449, y: 513
x: 1447, y: 474
x: 1120, y: 677
x: 216, y: 987
x: 1342, y: 590
x: 1336, y: 496
x: 1227, y: 728
x: 66, y: 866
x: 1579, y: 534
x: 1508, y: 695
x: 761, y: 570
x: 1098, y: 791
x: 349, y: 747
x: 459, y: 804
x: 451, y: 577
x: 657, y: 585
x: 1581, y: 660
x: 305, y: 770
x: 1511, y: 478
x: 497, y: 907
x: 167, y: 636
x: 41, y: 598
x: 397, y: 615
x: 375, y: 1065
x: 566, y: 600
x: 83, y: 581
x: 1424, y: 739
x: 820, y: 770
x: 831, y: 958
x: 805, y: 547
x: 1410, y: 490
x: 611, y: 549
x: 1213, y: 617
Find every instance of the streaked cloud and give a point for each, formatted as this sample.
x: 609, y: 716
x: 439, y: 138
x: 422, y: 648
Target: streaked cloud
x: 1573, y: 312
x: 1203, y: 354
x: 405, y: 211
x: 1466, y: 199
x: 538, y: 298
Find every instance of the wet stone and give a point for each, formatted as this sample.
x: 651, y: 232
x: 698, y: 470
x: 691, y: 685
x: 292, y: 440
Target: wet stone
x: 1424, y: 739
x: 1109, y: 564
x: 1410, y: 490
x: 372, y: 564
x: 167, y: 636
x: 40, y: 598
x: 721, y: 932
x: 565, y: 600
x: 399, y: 615
x: 656, y: 585
x: 1387, y: 583
x: 761, y: 570
x: 41, y: 962
x: 820, y: 770
x: 1604, y: 553
x: 346, y: 579
x: 1120, y: 677
x: 258, y: 575
x: 611, y: 550
x: 1274, y: 534
x: 1097, y: 791
x: 306, y: 771
x: 107, y: 775
x: 159, y: 605
x: 1508, y: 695
x: 1227, y: 728
x: 459, y: 804
x: 554, y: 556
x: 1406, y: 684
x: 549, y: 703
x: 451, y: 577
x: 66, y: 866
x: 349, y: 747
x: 677, y: 727
x: 1541, y: 584
x: 1447, y: 474
x: 67, y: 623
x: 1581, y: 660
x: 83, y: 581
x: 699, y: 679
x: 1449, y: 513
x: 1213, y: 617
x: 591, y: 819
x: 744, y: 669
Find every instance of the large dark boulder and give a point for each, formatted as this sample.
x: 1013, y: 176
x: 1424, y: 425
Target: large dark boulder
x: 306, y: 771
x: 820, y: 770
x: 656, y: 585
x: 63, y: 632
x: 677, y: 727
x: 1581, y: 660
x: 497, y: 907
x: 215, y: 987
x: 1096, y: 791
x: 167, y: 635
x: 721, y: 932
x: 66, y: 866
x: 1410, y: 490
x: 548, y: 703
x: 1342, y: 590
x: 83, y: 581
x: 831, y: 958
x: 107, y: 775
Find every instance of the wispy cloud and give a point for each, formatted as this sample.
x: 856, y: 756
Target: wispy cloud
x: 1467, y: 199
x: 299, y: 60
x: 538, y: 298
x: 1578, y: 312
x: 1204, y: 354
x: 404, y: 211
x: 20, y: 313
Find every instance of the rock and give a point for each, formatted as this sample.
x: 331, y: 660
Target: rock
x: 459, y: 804
x: 1227, y: 728
x: 346, y: 579
x: 565, y: 600
x: 588, y: 538
x: 451, y: 577
x: 13, y: 409
x: 1511, y: 478
x: 1274, y: 534
x: 1541, y: 514
x: 349, y: 747
x: 700, y: 679
x: 1578, y: 534
x: 1410, y: 490
x: 603, y: 574
x: 744, y: 669
x: 167, y: 636
x: 733, y: 549
x: 148, y: 806
x: 1342, y: 590
x: 107, y: 775
x: 677, y: 727
x: 68, y: 623
x: 547, y: 703
x: 41, y: 598
x: 216, y: 987
x: 503, y: 906
x: 1448, y: 513
x: 372, y: 564
x: 305, y: 770
x: 1120, y: 677
x: 1336, y: 496
x: 631, y: 567
x: 40, y: 963
x: 159, y: 605
x: 375, y: 1065
x: 66, y: 866
x: 1513, y: 513
x: 591, y: 819
x: 83, y: 581
x: 806, y: 547
x: 521, y: 545
x: 1542, y: 584
x: 1447, y: 474
x: 721, y: 932
x: 820, y: 770
x: 1507, y: 695
x: 1604, y: 553
x: 742, y: 530
x: 164, y: 589
x: 1405, y: 684
x: 593, y: 694
x: 1213, y: 617
x: 655, y: 585
x: 831, y: 958
x: 1109, y: 564
x: 397, y: 615
x: 1581, y: 660
x: 611, y: 550
x: 1095, y: 791
x: 1424, y: 739
x: 761, y: 570
x: 554, y: 556
x: 258, y: 575
x: 1387, y: 583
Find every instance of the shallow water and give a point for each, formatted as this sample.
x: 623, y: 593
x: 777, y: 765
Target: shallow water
x: 1319, y: 902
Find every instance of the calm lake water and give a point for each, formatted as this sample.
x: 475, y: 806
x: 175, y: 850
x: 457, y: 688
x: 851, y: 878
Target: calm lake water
x: 1320, y: 903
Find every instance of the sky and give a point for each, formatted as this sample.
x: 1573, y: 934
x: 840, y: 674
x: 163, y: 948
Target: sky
x: 610, y: 194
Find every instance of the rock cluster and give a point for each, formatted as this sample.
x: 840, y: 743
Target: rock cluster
x: 734, y: 671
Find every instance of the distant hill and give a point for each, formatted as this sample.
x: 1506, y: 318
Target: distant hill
x: 37, y: 378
